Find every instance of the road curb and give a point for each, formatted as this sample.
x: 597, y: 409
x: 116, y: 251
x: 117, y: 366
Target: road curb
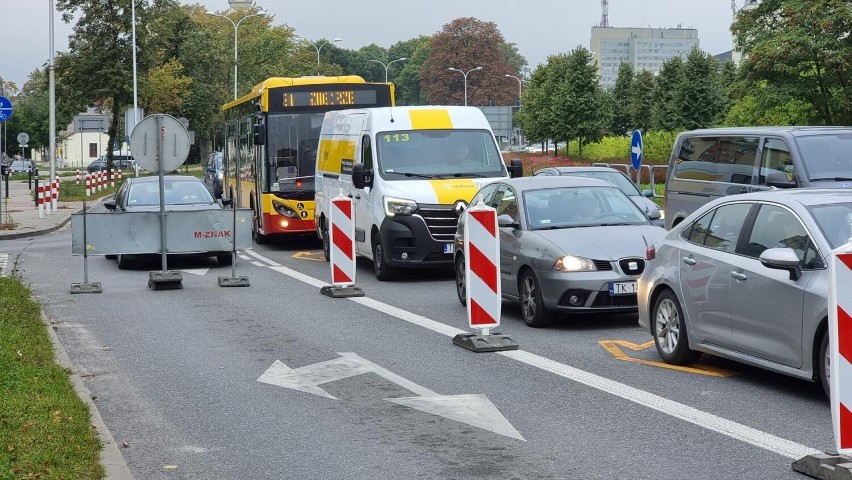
x: 111, y: 457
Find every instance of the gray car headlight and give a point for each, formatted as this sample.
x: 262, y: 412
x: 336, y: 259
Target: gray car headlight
x: 284, y: 210
x: 399, y: 206
x: 570, y: 263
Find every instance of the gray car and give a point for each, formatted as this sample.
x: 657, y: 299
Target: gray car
x: 744, y: 277
x: 642, y: 199
x: 567, y: 245
x: 181, y: 192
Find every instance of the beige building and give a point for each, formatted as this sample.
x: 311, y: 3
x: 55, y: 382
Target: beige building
x: 644, y: 48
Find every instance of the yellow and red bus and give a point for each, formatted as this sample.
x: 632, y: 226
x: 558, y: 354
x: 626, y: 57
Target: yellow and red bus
x: 270, y: 144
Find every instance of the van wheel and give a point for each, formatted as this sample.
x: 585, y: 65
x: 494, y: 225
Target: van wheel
x: 225, y: 258
x: 326, y: 241
x: 383, y: 271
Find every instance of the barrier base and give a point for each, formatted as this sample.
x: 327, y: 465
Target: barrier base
x: 485, y: 343
x: 94, y: 287
x: 234, y: 281
x: 165, y: 280
x: 334, y: 291
x: 825, y: 466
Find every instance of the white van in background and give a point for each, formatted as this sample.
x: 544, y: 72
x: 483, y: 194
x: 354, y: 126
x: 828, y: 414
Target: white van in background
x: 411, y: 171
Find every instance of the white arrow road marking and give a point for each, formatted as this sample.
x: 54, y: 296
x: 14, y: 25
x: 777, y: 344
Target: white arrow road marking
x: 729, y: 428
x: 473, y: 410
x: 196, y: 271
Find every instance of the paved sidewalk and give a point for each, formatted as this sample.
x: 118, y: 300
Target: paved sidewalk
x: 19, y: 213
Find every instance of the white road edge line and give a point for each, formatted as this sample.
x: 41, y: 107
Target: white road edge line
x: 729, y: 428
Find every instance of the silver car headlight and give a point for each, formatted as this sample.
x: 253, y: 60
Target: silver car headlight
x: 284, y: 210
x: 570, y: 263
x: 399, y: 206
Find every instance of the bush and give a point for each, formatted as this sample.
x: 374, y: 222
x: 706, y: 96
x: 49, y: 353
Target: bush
x: 616, y: 149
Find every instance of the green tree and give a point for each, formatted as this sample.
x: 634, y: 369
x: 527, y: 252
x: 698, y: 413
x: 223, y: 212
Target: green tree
x: 641, y: 104
x: 467, y: 43
x: 621, y: 96
x: 666, y: 113
x: 801, y: 46
x: 578, y: 100
x: 407, y: 77
x: 536, y: 117
x: 699, y: 97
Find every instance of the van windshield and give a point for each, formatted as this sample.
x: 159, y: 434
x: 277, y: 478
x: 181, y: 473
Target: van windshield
x: 827, y: 157
x: 418, y: 154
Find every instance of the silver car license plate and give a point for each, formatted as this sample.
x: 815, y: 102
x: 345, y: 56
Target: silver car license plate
x: 622, y: 288
x: 448, y: 248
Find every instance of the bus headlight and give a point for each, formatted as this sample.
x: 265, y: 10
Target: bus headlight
x: 284, y: 210
x: 570, y: 263
x: 399, y: 206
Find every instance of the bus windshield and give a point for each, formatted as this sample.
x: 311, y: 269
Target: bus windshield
x: 417, y: 154
x: 291, y: 153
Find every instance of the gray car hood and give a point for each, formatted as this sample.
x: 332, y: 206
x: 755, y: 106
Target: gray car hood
x: 603, y: 243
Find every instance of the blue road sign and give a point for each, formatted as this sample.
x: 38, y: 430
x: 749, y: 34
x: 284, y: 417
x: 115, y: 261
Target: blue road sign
x: 5, y: 109
x: 636, y: 149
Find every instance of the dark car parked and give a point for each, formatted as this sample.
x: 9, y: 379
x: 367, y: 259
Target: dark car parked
x: 213, y: 174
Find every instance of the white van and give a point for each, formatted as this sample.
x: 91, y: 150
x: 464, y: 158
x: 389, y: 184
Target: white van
x: 410, y: 172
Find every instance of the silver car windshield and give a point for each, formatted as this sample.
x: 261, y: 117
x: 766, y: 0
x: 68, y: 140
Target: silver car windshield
x: 835, y: 222
x: 580, y: 207
x: 177, y: 192
x: 418, y: 154
x: 615, y: 178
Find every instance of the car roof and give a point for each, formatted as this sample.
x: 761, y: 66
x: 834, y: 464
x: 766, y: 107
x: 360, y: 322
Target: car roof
x: 796, y: 131
x: 168, y: 178
x: 583, y: 169
x: 804, y: 196
x: 534, y: 183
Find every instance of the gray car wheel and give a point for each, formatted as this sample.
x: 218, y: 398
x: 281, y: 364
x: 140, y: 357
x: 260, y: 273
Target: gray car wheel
x: 123, y: 262
x: 825, y: 364
x: 532, y: 304
x: 326, y: 241
x: 461, y: 288
x: 669, y: 328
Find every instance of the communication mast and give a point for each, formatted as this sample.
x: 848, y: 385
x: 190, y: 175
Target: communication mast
x: 604, y: 13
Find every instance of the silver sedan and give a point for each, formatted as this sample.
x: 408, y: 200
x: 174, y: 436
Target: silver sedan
x: 745, y: 278
x: 567, y: 244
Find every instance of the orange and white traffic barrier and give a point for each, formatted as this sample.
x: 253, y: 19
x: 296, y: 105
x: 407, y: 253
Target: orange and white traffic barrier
x: 342, y: 241
x: 840, y: 344
x: 40, y: 194
x: 482, y: 267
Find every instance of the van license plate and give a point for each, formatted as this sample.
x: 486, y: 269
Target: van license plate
x: 448, y: 248
x: 622, y: 288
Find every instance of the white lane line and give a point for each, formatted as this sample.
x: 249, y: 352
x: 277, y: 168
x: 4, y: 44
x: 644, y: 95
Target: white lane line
x: 731, y: 429
x: 4, y: 262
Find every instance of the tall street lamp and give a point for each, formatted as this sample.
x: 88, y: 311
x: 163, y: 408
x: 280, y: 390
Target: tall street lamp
x: 388, y: 65
x: 236, y: 27
x: 465, y: 79
x: 319, y: 49
x: 519, y: 86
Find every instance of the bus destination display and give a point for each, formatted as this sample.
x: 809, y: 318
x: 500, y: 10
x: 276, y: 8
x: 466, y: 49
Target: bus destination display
x: 328, y: 98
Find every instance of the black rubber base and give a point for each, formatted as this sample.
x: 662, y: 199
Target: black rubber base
x: 485, y: 343
x: 334, y: 291
x: 165, y: 280
x: 825, y: 466
x: 86, y: 287
x: 233, y: 282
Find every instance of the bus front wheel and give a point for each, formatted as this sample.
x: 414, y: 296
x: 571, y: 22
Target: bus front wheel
x: 258, y: 237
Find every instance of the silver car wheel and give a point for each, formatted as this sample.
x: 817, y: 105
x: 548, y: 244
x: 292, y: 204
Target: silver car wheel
x: 668, y: 326
x: 528, y: 297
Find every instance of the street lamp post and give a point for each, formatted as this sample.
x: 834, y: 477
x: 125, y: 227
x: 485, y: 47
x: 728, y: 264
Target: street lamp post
x: 465, y: 79
x: 519, y: 86
x: 236, y: 27
x: 388, y: 65
x: 319, y: 49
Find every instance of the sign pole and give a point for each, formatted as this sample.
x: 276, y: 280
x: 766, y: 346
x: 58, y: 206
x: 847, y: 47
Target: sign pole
x: 234, y: 280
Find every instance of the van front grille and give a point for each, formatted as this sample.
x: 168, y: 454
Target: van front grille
x: 441, y: 220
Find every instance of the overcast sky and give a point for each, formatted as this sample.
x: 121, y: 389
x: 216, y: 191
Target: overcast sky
x: 538, y: 27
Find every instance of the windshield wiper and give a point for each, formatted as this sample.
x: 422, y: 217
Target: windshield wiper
x: 418, y: 175
x: 461, y: 175
x: 831, y: 179
x: 559, y: 227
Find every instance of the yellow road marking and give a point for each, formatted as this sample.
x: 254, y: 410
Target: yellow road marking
x: 313, y: 256
x: 612, y: 346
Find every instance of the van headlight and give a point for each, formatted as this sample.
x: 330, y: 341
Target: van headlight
x: 399, y: 206
x: 284, y: 210
x: 570, y: 263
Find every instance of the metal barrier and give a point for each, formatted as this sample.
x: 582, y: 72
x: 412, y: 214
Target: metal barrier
x: 635, y: 175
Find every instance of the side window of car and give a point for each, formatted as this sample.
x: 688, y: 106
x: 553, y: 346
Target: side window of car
x: 776, y: 157
x: 487, y: 193
x: 777, y: 227
x: 508, y: 204
x: 698, y: 231
x: 720, y: 229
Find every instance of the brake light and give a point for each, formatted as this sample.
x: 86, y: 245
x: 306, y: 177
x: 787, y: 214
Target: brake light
x: 650, y: 252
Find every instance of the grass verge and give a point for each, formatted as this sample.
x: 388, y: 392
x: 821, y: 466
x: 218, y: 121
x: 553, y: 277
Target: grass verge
x: 45, y: 429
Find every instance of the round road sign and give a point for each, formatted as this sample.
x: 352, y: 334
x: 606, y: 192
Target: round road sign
x: 5, y: 109
x: 23, y: 138
x: 159, y: 131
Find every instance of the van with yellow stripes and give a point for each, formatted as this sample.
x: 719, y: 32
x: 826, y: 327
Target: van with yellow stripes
x: 411, y: 171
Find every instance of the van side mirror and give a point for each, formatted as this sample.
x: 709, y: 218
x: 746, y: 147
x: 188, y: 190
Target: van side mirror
x: 516, y: 168
x: 259, y: 134
x: 361, y: 177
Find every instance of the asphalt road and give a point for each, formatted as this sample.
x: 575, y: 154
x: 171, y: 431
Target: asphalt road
x: 380, y: 391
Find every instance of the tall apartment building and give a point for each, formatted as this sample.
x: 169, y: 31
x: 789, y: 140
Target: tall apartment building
x: 644, y: 48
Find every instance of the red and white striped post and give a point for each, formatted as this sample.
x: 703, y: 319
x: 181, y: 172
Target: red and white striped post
x: 88, y: 184
x: 119, y: 175
x: 40, y: 194
x: 54, y: 201
x: 112, y: 178
x: 342, y: 249
x: 840, y: 344
x: 78, y: 176
x: 482, y: 267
